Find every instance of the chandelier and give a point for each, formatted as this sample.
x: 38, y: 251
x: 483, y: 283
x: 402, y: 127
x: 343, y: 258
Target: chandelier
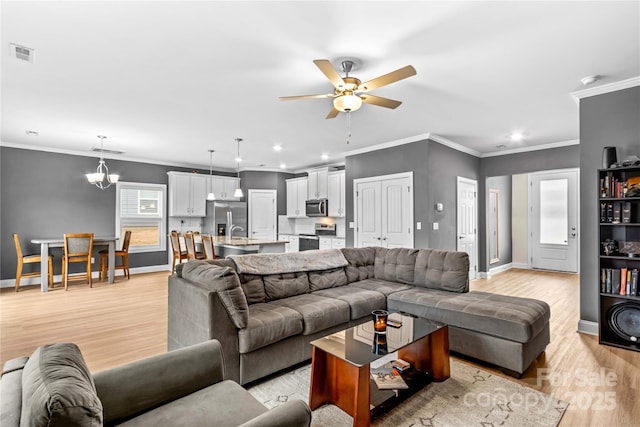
x: 238, y: 193
x: 97, y: 178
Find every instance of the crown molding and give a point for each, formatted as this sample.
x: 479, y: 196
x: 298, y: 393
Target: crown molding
x: 109, y: 156
x: 531, y: 148
x: 610, y: 87
x: 454, y: 145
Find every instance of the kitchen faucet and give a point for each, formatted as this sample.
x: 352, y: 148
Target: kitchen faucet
x: 234, y: 228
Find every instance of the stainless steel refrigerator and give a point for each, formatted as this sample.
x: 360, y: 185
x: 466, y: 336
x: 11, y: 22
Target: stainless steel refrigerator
x: 222, y: 215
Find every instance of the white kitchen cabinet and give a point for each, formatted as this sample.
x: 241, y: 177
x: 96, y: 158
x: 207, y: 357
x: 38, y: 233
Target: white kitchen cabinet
x: 336, y: 193
x: 294, y: 242
x: 296, y: 197
x: 325, y: 243
x: 337, y: 243
x: 187, y: 194
x: 317, y: 183
x: 223, y: 187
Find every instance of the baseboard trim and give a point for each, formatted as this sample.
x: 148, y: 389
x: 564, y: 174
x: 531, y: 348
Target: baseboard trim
x: 588, y: 327
x: 521, y: 266
x: 29, y: 281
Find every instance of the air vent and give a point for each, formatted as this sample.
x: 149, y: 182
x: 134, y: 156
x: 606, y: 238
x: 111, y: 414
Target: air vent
x: 97, y: 150
x: 21, y: 52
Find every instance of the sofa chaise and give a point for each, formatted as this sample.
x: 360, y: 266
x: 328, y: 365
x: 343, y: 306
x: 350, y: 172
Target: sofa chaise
x: 186, y: 387
x: 265, y: 309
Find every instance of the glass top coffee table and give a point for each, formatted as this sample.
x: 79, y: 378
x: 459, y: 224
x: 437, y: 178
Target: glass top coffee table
x: 340, y: 364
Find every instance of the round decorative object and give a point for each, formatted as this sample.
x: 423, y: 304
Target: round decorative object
x: 624, y: 320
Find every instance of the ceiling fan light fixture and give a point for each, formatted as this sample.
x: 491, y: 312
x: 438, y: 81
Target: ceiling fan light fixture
x: 347, y: 102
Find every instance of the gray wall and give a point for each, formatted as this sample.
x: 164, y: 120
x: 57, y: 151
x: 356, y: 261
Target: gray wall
x: 611, y: 119
x: 435, y: 168
x: 503, y: 185
x: 258, y: 180
x: 46, y: 195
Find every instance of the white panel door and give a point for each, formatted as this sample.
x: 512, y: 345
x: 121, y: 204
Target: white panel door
x: 466, y: 222
x: 262, y: 214
x: 384, y: 211
x: 554, y: 220
x: 396, y: 213
x: 369, y: 214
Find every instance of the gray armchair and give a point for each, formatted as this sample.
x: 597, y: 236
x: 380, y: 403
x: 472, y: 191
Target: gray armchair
x: 184, y: 387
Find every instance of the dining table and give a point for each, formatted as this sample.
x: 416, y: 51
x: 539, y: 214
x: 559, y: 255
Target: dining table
x: 58, y: 242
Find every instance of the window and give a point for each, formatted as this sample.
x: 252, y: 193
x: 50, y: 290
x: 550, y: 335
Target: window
x: 140, y: 208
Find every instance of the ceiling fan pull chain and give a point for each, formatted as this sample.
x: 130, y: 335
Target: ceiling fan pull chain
x: 348, y: 127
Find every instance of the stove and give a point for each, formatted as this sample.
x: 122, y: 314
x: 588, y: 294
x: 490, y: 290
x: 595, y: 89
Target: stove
x: 309, y: 242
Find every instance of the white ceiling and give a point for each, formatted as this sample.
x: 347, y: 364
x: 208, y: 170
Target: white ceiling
x: 167, y: 81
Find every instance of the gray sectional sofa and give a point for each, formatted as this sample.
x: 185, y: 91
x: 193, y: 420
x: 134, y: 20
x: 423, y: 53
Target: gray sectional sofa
x: 265, y: 309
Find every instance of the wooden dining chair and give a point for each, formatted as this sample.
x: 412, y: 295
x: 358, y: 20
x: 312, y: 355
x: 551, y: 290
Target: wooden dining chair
x: 190, y: 243
x: 77, y: 248
x: 207, y: 247
x: 29, y: 259
x: 176, y: 249
x: 123, y: 254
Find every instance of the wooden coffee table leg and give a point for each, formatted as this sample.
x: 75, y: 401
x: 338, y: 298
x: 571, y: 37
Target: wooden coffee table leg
x: 430, y: 354
x: 339, y: 383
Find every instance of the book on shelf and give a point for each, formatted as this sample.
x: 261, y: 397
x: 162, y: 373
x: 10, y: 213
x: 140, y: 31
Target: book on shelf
x: 626, y: 212
x: 619, y: 281
x: 617, y: 212
x: 387, y: 377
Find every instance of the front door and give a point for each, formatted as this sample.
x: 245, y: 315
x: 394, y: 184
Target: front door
x: 466, y: 222
x: 554, y: 220
x: 262, y: 214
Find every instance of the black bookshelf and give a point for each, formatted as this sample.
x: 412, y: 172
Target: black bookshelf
x: 619, y: 237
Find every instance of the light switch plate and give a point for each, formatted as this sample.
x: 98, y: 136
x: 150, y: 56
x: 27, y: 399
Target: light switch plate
x: 436, y: 226
x: 352, y: 224
x: 418, y: 226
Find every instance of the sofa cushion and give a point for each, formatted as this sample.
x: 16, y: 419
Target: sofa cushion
x: 512, y: 318
x: 278, y: 286
x: 383, y: 286
x: 443, y: 270
x: 222, y: 404
x: 325, y: 279
x: 225, y: 282
x: 361, y: 301
x: 268, y: 323
x: 396, y: 265
x: 318, y: 313
x: 58, y: 390
x: 361, y: 262
x: 253, y: 288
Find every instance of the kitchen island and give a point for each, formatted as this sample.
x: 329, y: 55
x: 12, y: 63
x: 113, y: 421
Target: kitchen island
x: 243, y: 245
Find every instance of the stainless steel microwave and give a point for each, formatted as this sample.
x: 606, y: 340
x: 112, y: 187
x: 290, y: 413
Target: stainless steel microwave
x: 317, y: 207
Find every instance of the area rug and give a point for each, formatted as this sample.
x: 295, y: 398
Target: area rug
x: 470, y: 397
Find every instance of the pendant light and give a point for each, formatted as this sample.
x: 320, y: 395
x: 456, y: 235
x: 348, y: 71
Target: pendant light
x: 238, y: 193
x: 211, y: 195
x: 97, y: 178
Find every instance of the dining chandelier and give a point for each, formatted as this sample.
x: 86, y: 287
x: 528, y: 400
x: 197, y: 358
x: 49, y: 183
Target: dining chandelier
x: 98, y: 177
x: 238, y: 193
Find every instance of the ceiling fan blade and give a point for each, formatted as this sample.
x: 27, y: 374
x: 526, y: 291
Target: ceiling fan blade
x: 379, y: 101
x: 333, y: 113
x: 389, y: 78
x: 320, y: 96
x: 328, y: 70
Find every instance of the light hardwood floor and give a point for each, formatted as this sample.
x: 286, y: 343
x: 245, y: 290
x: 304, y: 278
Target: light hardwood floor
x: 116, y: 324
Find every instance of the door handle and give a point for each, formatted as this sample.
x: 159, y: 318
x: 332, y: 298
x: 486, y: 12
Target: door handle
x: 377, y: 238
x: 384, y: 238
x: 460, y: 237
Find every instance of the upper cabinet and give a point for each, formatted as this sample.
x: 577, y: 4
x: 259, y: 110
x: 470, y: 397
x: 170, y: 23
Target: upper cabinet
x: 296, y: 197
x: 223, y: 187
x: 317, y: 183
x: 336, y: 193
x: 187, y: 194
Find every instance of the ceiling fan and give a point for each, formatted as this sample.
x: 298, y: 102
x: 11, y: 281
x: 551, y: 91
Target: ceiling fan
x: 349, y: 92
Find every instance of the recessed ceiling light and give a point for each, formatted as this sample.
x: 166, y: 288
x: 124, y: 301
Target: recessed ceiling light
x: 238, y: 159
x: 283, y: 166
x: 589, y: 80
x: 516, y: 136
x: 31, y: 132
x: 325, y: 157
x: 277, y: 147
